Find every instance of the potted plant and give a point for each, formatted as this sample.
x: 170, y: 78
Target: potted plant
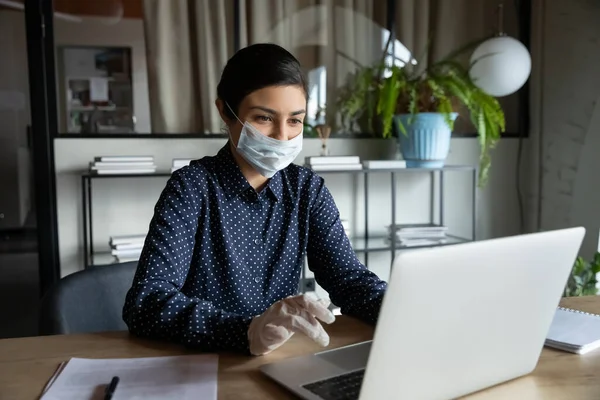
x: 421, y: 106
x: 582, y: 280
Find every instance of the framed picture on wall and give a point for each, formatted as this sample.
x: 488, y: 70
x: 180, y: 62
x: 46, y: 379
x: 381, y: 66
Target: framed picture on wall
x: 95, y: 90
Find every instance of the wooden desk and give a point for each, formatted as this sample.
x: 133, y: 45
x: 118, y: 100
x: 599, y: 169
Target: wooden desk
x: 26, y: 364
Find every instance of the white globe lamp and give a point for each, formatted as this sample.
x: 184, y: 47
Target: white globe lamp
x: 501, y: 65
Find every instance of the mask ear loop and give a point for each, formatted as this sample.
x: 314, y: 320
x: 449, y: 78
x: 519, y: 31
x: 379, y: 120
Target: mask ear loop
x: 234, y: 114
x: 236, y: 117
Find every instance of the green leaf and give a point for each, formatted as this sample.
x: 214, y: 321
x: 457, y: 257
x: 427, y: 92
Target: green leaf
x: 413, y: 108
x: 586, y: 277
x: 400, y: 125
x: 595, y: 264
x: 387, y: 101
x: 583, y: 278
x: 580, y: 265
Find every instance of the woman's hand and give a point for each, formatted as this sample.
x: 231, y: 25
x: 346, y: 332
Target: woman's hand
x: 278, y: 323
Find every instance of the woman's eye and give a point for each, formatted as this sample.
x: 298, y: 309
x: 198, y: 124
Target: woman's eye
x: 264, y: 118
x: 296, y: 121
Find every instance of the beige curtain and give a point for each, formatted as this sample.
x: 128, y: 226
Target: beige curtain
x: 344, y: 27
x: 358, y: 36
x: 430, y: 29
x: 297, y: 25
x: 188, y: 43
x: 329, y: 37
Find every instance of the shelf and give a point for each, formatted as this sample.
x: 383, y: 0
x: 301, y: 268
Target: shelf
x: 75, y: 108
x: 142, y: 175
x: 103, y: 258
x: 378, y: 243
x: 139, y: 135
x: 448, y: 168
x: 360, y: 245
x: 400, y: 170
x: 87, y: 78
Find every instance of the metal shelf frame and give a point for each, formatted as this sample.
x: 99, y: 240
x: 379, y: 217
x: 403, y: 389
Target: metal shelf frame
x: 370, y: 244
x: 394, y: 172
x: 87, y: 206
x: 362, y: 245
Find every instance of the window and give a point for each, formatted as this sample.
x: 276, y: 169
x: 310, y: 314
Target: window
x: 176, y: 53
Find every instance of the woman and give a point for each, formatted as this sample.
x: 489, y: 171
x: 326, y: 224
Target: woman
x: 222, y: 260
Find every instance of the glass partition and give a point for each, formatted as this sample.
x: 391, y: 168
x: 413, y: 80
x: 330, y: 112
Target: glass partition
x: 151, y: 67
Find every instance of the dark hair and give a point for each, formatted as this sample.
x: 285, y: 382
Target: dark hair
x: 255, y: 67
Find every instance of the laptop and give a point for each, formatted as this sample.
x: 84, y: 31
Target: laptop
x: 454, y: 320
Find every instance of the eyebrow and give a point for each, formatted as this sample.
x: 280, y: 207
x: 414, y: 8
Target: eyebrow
x: 271, y: 111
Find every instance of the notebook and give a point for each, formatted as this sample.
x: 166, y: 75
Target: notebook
x: 574, y: 331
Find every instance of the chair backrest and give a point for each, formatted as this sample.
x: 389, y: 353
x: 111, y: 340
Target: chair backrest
x: 90, y: 300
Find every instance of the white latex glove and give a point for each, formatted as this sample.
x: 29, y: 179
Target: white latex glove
x: 293, y: 314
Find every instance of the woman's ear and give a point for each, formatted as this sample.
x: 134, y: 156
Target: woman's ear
x: 220, y: 104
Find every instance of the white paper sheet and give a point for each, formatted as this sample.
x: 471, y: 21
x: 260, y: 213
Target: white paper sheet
x: 177, y: 377
x: 98, y: 89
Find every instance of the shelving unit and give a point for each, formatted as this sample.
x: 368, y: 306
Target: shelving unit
x: 378, y: 244
x: 373, y: 244
x: 361, y: 245
x: 368, y: 244
x: 90, y: 257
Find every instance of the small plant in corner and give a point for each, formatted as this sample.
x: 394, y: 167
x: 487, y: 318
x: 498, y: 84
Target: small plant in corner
x: 582, y: 280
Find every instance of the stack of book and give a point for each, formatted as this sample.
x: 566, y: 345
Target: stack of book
x: 411, y: 235
x: 126, y: 248
x: 333, y: 163
x: 180, y: 163
x: 384, y: 164
x: 116, y: 165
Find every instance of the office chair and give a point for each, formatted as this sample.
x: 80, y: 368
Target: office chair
x: 90, y: 300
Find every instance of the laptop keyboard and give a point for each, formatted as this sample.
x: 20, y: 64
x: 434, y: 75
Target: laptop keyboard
x: 341, y: 387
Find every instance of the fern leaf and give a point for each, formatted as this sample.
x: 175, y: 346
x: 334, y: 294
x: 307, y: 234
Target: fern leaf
x: 387, y: 102
x: 413, y: 107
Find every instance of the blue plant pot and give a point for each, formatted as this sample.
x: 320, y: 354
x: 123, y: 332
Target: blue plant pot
x: 426, y: 142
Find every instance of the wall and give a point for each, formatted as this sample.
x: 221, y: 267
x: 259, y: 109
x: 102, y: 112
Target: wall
x: 121, y: 208
x: 128, y: 32
x: 570, y: 118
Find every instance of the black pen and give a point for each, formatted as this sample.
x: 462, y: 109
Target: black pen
x: 111, y: 388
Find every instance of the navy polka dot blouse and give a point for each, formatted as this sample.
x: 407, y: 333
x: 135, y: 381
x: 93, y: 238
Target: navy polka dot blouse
x: 218, y: 253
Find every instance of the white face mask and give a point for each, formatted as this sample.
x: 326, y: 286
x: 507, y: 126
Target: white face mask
x: 265, y: 154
